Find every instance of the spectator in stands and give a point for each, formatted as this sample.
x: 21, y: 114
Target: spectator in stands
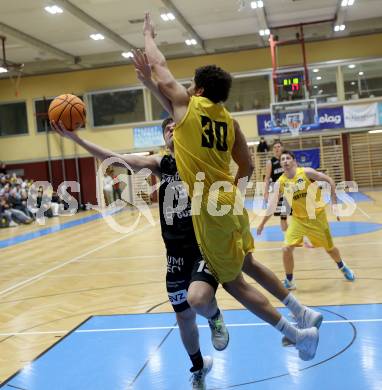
x: 116, y: 188
x: 17, y: 199
x: 262, y: 146
x: 108, y: 189
x: 3, y: 168
x: 14, y: 214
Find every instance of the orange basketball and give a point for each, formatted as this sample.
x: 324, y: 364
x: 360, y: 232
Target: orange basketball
x: 69, y: 109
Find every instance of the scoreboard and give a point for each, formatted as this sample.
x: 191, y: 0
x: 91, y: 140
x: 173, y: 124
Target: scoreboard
x: 290, y: 86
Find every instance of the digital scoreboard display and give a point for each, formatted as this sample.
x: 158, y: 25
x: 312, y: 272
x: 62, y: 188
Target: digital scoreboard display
x: 291, y: 85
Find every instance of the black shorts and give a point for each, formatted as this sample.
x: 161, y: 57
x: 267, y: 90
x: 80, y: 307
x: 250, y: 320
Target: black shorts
x: 183, y: 268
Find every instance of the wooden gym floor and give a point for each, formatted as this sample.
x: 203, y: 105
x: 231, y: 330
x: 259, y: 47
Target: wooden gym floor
x: 50, y: 284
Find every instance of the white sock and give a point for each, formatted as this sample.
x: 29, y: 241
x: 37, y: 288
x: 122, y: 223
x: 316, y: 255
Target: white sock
x: 294, y: 305
x: 287, y: 329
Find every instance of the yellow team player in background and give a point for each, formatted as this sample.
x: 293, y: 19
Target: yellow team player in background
x: 300, y: 188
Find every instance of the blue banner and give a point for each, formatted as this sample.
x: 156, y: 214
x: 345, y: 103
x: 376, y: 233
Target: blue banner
x: 145, y: 137
x: 308, y: 158
x: 331, y: 118
x: 328, y: 117
x: 380, y: 113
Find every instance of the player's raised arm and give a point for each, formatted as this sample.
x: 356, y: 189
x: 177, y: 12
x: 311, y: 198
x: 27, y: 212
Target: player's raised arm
x: 167, y: 83
x: 135, y: 162
x: 319, y: 176
x: 144, y: 74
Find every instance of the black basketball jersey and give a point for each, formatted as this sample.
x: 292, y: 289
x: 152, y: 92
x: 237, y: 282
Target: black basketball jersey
x: 179, y: 234
x: 277, y: 170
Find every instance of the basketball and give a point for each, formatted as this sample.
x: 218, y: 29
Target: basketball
x: 69, y: 109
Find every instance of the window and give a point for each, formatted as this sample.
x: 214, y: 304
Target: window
x: 41, y: 112
x: 117, y: 107
x: 13, y: 119
x: 363, y: 80
x: 158, y: 112
x: 249, y: 93
x: 323, y: 84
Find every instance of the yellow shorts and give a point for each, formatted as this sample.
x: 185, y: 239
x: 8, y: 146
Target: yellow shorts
x: 317, y: 230
x: 224, y: 242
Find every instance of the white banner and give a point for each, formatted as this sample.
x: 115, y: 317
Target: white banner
x: 361, y: 115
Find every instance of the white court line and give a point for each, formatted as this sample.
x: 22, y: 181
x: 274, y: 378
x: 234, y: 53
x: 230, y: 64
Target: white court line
x: 363, y: 212
x: 17, y: 286
x: 172, y: 327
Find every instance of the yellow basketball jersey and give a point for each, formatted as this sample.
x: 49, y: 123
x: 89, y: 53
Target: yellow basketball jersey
x: 203, y: 142
x: 302, y: 194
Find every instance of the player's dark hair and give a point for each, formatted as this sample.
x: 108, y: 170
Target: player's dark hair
x: 289, y: 153
x: 215, y: 82
x: 166, y: 122
x: 276, y: 142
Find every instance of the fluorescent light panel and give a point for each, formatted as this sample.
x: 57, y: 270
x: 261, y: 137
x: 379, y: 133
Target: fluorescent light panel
x: 169, y: 16
x: 257, y: 4
x: 264, y: 32
x: 127, y: 54
x: 97, y: 37
x: 347, y: 3
x: 54, y: 9
x: 191, y: 42
x: 3, y: 70
x: 339, y: 27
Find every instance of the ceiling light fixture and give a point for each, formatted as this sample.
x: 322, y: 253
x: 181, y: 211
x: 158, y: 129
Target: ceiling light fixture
x: 3, y: 70
x: 257, y: 4
x: 361, y: 73
x: 347, y: 3
x: 191, y: 42
x: 375, y: 131
x: 318, y: 78
x: 127, y: 54
x: 264, y: 32
x: 351, y: 66
x: 97, y: 37
x: 316, y: 70
x: 54, y: 9
x: 169, y: 16
x: 339, y: 27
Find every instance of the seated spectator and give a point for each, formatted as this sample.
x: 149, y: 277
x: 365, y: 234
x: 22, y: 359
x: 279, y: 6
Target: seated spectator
x: 3, y: 168
x: 14, y: 214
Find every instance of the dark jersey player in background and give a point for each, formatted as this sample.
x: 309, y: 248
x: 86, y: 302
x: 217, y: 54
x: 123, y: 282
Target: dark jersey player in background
x: 190, y: 286
x: 273, y: 171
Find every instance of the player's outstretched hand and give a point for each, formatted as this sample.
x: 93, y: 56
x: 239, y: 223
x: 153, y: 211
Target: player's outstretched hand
x: 260, y: 229
x: 142, y: 66
x: 60, y: 129
x: 148, y: 26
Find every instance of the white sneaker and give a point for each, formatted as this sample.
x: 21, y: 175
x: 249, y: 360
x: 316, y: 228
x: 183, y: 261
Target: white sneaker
x: 198, y: 378
x: 308, y: 319
x: 307, y: 343
x: 289, y: 284
x: 219, y: 333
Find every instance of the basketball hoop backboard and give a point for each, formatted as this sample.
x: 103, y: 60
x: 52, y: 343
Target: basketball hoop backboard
x: 294, y: 117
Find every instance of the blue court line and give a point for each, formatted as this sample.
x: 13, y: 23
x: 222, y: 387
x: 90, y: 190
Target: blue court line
x: 114, y: 351
x: 49, y: 230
